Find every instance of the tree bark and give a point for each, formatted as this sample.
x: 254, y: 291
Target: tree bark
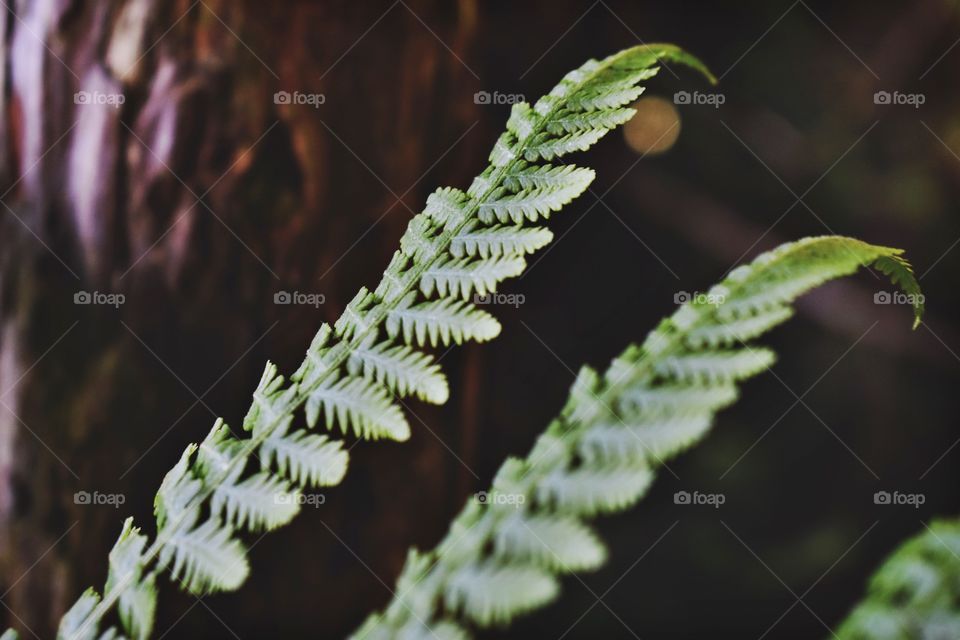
x: 196, y: 199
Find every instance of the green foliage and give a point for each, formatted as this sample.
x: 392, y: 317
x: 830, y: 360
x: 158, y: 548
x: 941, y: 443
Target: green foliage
x: 915, y: 593
x: 354, y: 372
x: 503, y: 552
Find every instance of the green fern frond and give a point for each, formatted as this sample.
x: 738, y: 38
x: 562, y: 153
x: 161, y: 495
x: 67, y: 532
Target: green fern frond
x: 361, y: 404
x: 79, y: 622
x: 462, y: 277
x: 501, y: 554
x: 306, y: 458
x: 916, y: 591
x: 491, y: 593
x: 206, y: 558
x: 499, y: 240
x: 403, y: 368
x: 355, y: 372
x: 441, y: 322
x: 260, y: 502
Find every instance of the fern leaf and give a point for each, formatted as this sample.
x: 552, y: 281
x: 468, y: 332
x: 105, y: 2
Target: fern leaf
x: 528, y: 176
x: 916, y: 591
x: 499, y: 240
x: 652, y: 440
x: 361, y: 405
x: 547, y: 147
x: 491, y: 593
x: 80, y: 621
x: 602, y: 120
x: 402, y: 370
x: 537, y: 202
x: 463, y: 277
x: 440, y: 322
x: 261, y: 502
x: 137, y: 608
x: 138, y: 595
x: 711, y: 367
x: 675, y: 399
x: 206, y: 559
x: 563, y: 544
x: 592, y: 491
x: 599, y: 455
x: 448, y: 206
x: 307, y: 459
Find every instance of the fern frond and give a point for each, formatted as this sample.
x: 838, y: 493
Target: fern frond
x: 307, y: 459
x: 536, y: 202
x: 353, y: 370
x: 490, y: 593
x: 916, y: 591
x: 78, y: 623
x: 499, y: 240
x: 260, y: 502
x: 563, y: 544
x: 600, y: 454
x: 206, y: 559
x: 138, y: 600
x: 461, y: 278
x: 440, y: 322
x: 358, y: 404
x: 402, y: 369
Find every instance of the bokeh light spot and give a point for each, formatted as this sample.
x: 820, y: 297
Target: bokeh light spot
x: 654, y: 128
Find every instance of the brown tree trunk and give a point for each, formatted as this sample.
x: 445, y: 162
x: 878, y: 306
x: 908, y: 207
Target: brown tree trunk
x: 196, y: 199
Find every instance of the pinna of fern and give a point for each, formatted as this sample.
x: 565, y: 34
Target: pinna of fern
x: 501, y: 556
x: 464, y: 242
x: 915, y: 593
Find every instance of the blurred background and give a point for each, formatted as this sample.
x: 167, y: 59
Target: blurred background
x: 198, y: 157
